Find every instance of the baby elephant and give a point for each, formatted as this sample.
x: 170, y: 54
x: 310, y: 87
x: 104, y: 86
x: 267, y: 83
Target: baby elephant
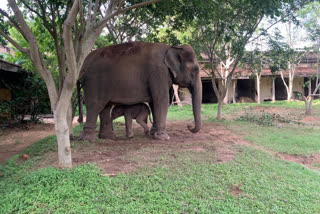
x: 139, y: 112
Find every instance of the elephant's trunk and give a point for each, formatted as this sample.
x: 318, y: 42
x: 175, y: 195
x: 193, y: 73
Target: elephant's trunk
x: 196, y: 91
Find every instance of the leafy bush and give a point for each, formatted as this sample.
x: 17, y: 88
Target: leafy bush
x: 30, y: 96
x: 264, y: 119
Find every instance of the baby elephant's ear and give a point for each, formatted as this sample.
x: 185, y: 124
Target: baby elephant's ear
x: 173, y: 60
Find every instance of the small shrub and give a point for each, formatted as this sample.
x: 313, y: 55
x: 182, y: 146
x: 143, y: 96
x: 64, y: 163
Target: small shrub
x: 265, y: 119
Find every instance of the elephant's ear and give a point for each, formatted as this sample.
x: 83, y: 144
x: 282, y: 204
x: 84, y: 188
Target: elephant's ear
x: 173, y: 60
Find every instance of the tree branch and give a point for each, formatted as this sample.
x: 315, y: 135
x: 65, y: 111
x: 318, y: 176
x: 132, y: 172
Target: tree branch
x: 113, y: 14
x: 23, y: 50
x: 35, y: 55
x: 67, y: 37
x: 44, y: 18
x: 13, y: 23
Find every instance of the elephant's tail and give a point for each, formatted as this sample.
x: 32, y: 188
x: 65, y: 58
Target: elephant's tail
x: 80, y: 102
x: 149, y: 109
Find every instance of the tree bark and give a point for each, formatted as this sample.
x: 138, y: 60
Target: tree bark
x: 273, y: 89
x: 308, y: 104
x: 226, y: 97
x: 258, y: 89
x: 234, y: 86
x: 287, y: 86
x: 220, y: 101
x: 62, y: 132
x: 176, y: 94
x: 310, y: 86
x: 290, y: 89
x: 69, y: 121
x: 226, y: 86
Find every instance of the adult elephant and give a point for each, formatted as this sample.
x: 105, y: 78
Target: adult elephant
x: 138, y: 72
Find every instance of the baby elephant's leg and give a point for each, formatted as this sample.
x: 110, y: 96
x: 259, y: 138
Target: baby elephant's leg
x: 142, y: 119
x: 128, y: 121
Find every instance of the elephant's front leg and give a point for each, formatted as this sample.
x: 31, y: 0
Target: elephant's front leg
x: 153, y: 128
x: 160, y: 110
x: 106, y: 125
x: 128, y: 121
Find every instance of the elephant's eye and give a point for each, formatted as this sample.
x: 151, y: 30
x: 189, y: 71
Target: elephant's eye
x: 196, y: 69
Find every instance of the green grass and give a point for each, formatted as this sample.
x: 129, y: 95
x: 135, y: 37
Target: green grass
x: 207, y: 111
x: 189, y: 182
x: 267, y: 185
x: 292, y: 104
x: 297, y: 140
x: 210, y: 110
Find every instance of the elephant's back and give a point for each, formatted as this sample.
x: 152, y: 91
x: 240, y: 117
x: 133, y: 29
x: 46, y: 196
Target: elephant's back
x: 121, y: 58
x: 116, y: 53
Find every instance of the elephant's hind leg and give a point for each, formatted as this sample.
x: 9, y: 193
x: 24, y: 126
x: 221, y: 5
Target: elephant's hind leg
x: 89, y: 129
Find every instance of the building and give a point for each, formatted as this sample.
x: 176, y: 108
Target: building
x: 244, y: 84
x: 9, y: 75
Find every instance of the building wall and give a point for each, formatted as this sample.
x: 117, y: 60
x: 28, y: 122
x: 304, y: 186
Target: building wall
x: 298, y: 83
x: 230, y: 90
x: 265, y: 88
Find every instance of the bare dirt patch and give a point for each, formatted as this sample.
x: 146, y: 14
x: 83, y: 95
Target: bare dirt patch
x: 15, y: 139
x: 235, y: 190
x: 213, y: 144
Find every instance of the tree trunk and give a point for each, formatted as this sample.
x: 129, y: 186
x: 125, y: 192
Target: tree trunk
x: 310, y: 86
x: 62, y: 132
x: 273, y: 89
x: 220, y: 101
x: 234, y: 86
x: 290, y: 91
x: 226, y: 97
x: 62, y: 118
x: 258, y: 90
x: 176, y: 94
x: 308, y: 104
x: 69, y: 121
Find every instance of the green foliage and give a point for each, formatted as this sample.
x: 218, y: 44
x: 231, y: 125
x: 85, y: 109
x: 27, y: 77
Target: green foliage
x: 45, y: 43
x: 311, y: 20
x: 103, y: 41
x: 281, y: 54
x: 264, y: 119
x: 224, y: 27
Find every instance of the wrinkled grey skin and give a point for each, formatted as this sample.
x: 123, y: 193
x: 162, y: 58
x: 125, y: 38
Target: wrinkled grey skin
x: 138, y: 72
x: 139, y: 112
